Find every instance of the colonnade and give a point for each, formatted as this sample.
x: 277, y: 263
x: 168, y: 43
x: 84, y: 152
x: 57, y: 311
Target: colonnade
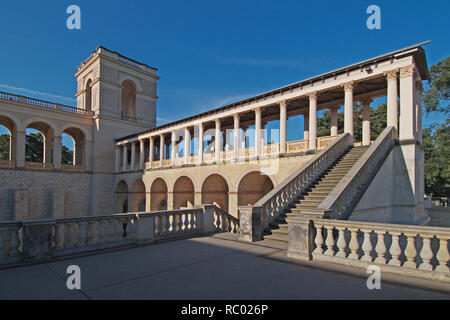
x: 407, y: 131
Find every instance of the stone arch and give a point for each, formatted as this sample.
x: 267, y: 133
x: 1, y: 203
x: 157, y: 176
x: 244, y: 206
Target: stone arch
x: 138, y: 196
x: 128, y: 99
x: 252, y: 187
x: 122, y: 197
x: 47, y: 131
x: 215, y: 191
x: 11, y: 126
x: 79, y: 145
x: 183, y: 193
x: 158, y: 195
x: 88, y: 95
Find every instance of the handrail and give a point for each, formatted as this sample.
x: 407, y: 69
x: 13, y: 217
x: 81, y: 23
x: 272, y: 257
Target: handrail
x: 293, y: 186
x: 43, y: 104
x: 341, y: 201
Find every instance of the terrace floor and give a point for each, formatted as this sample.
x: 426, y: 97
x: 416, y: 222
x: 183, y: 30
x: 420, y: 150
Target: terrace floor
x: 215, y: 267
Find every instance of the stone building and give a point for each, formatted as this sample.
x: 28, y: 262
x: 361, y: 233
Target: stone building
x: 124, y: 163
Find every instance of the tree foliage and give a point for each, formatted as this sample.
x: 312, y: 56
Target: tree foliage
x: 437, y: 96
x: 436, y: 143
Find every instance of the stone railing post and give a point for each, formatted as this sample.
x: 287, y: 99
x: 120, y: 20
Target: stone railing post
x: 38, y: 239
x: 301, y: 239
x: 250, y: 223
x: 207, y: 219
x: 144, y: 229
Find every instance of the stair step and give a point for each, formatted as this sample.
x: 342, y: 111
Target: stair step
x: 277, y: 238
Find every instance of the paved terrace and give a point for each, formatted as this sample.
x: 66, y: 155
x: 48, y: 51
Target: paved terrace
x: 215, y: 267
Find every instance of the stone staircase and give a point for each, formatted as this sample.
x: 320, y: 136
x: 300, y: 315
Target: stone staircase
x: 306, y: 204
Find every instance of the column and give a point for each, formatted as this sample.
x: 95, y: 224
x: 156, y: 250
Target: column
x: 263, y: 137
x: 218, y: 141
x: 407, y: 110
x: 47, y: 156
x: 174, y: 147
x: 283, y: 126
x: 258, y: 132
x: 244, y: 138
x: 200, y: 142
x: 392, y: 98
x: 56, y: 153
x: 366, y: 122
x: 161, y: 150
x: 334, y: 121
x: 306, y: 127
x: 125, y: 157
x: 151, y: 151
x: 313, y: 121
x: 141, y: 154
x: 20, y: 149
x: 133, y: 156
x: 187, y: 145
x: 117, y: 159
x: 348, y: 109
x: 236, y: 137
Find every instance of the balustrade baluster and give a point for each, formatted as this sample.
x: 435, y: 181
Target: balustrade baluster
x: 81, y: 234
x: 92, y: 233
x: 318, y: 240
x: 181, y: 222
x: 14, y: 243
x: 443, y: 256
x: 367, y: 246
x: 354, y: 244
x: 395, y: 250
x: 111, y: 233
x: 380, y: 248
x: 59, y: 236
x: 341, y: 243
x: 410, y: 252
x: 426, y: 254
x: 70, y: 239
x: 329, y: 242
x: 168, y: 223
x: 102, y: 237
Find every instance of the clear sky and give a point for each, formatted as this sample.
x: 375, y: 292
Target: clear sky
x: 209, y: 53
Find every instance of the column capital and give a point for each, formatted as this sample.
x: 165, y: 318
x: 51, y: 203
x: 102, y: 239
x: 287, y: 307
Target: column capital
x: 283, y: 103
x: 348, y: 86
x: 313, y: 95
x: 407, y: 71
x: 391, y: 75
x: 236, y: 116
x: 217, y: 121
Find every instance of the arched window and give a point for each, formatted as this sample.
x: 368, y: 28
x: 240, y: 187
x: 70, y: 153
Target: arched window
x: 7, y: 138
x: 73, y: 149
x: 88, y: 100
x: 128, y: 100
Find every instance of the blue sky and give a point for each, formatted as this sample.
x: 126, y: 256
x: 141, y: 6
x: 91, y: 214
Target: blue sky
x: 209, y: 53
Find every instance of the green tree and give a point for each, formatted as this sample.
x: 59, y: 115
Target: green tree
x: 437, y: 96
x: 436, y: 143
x: 4, y: 147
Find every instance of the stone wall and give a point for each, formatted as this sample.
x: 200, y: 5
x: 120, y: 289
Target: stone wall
x: 26, y: 194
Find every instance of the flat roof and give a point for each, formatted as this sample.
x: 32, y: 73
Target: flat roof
x: 419, y: 57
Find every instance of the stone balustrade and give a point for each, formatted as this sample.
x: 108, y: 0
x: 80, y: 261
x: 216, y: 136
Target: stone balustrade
x: 341, y: 201
x: 38, y: 166
x: 40, y: 240
x: 43, y: 104
x: 418, y: 251
x: 254, y: 219
x: 7, y: 164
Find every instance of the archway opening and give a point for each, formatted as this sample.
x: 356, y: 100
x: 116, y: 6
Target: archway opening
x: 7, y: 133
x: 138, y: 196
x: 39, y: 143
x: 183, y: 193
x: 215, y: 191
x: 128, y: 100
x: 122, y: 197
x: 253, y: 187
x: 159, y: 195
x: 73, y: 147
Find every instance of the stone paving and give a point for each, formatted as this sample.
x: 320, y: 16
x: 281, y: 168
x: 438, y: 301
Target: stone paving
x: 202, y: 268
